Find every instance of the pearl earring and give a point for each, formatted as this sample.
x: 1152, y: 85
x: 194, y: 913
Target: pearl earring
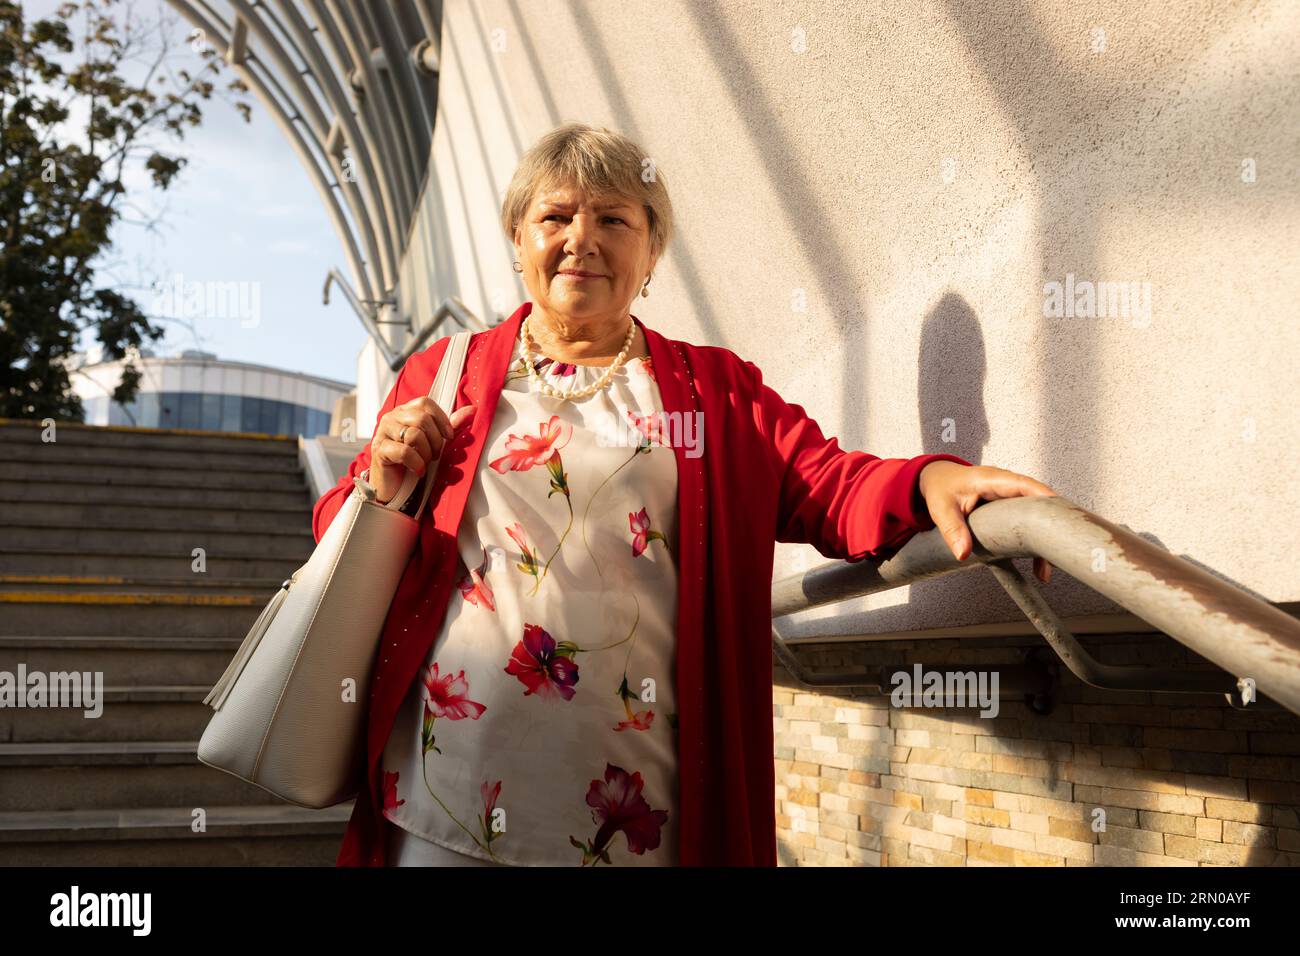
x: 518, y: 267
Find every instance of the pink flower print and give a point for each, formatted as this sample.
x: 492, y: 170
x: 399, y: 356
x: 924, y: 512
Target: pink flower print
x: 445, y: 696
x: 642, y: 533
x: 650, y: 429
x: 529, y: 563
x: 617, y: 806
x: 649, y: 368
x: 390, y: 791
x: 489, y: 795
x: 635, y: 721
x: 543, y: 667
x: 516, y: 532
x: 560, y: 369
x: 475, y: 588
x: 525, y: 451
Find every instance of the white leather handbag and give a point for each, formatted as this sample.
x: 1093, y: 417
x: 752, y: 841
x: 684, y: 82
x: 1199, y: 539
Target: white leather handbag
x: 291, y: 707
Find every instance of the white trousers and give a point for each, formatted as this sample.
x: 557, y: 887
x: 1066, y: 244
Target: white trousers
x: 407, y: 849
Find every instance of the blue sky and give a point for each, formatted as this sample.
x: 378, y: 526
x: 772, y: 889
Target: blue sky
x: 242, y: 210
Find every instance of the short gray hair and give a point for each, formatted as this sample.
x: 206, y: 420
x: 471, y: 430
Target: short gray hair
x: 596, y: 161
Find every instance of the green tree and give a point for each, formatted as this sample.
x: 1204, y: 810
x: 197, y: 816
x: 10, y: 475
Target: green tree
x: 60, y: 199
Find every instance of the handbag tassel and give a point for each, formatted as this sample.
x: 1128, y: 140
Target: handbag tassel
x: 221, y: 690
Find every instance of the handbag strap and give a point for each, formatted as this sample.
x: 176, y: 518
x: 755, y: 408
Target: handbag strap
x: 443, y: 393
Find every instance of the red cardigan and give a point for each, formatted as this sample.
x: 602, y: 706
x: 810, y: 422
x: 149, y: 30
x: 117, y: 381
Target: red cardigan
x: 766, y: 474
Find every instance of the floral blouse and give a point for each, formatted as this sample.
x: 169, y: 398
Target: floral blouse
x: 541, y: 731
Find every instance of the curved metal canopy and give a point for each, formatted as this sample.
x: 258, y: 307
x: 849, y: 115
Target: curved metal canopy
x: 354, y: 88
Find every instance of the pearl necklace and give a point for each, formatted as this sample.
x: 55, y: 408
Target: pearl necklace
x: 549, y: 389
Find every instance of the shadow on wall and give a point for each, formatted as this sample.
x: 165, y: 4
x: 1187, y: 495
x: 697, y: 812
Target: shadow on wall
x: 950, y: 381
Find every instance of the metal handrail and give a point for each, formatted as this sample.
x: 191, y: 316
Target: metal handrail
x: 451, y: 308
x: 1250, y: 639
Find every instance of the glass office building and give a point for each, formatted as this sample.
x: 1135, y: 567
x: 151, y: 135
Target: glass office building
x: 196, y: 390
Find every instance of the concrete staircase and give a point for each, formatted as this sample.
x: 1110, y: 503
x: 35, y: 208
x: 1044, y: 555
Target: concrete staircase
x: 97, y: 537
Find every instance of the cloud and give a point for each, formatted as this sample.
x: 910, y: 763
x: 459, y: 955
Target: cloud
x: 293, y: 246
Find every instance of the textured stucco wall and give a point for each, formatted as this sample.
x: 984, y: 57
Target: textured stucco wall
x: 871, y: 198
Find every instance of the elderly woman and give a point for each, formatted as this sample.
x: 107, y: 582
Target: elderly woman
x: 577, y: 666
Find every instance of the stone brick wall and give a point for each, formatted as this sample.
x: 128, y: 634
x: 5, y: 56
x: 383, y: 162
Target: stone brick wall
x: 1183, y: 780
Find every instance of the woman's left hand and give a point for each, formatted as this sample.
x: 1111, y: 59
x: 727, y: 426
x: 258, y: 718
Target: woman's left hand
x: 952, y: 491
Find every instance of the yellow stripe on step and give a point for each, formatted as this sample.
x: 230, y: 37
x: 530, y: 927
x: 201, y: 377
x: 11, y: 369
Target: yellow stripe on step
x: 57, y: 579
x: 53, y: 597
